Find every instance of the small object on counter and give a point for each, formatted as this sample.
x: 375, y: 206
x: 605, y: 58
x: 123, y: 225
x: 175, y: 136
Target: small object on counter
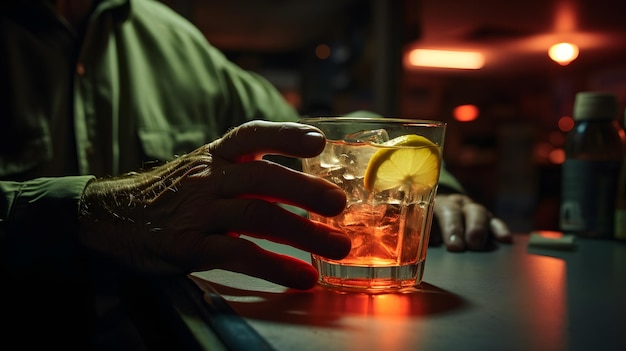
x: 552, y: 240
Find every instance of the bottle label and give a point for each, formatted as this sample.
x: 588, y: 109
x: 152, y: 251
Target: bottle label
x: 588, y: 194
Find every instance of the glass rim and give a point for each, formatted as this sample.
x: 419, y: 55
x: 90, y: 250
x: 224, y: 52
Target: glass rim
x: 323, y: 119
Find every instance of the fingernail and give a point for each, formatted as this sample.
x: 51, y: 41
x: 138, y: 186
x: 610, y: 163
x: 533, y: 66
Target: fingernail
x: 313, y: 140
x: 455, y: 244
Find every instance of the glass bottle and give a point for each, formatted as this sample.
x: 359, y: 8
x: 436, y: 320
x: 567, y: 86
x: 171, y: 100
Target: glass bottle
x: 620, y: 204
x: 594, y: 153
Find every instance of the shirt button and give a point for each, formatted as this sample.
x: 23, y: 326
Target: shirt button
x: 80, y: 69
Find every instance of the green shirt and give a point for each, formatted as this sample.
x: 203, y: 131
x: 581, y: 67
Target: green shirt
x: 142, y: 84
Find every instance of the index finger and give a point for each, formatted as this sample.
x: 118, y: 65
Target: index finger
x: 254, y: 139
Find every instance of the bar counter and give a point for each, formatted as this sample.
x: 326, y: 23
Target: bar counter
x: 517, y: 297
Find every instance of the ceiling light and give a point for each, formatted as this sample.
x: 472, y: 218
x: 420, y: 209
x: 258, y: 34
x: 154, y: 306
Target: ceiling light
x: 446, y: 59
x: 563, y: 53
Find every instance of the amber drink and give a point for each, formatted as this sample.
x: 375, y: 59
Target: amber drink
x: 389, y: 169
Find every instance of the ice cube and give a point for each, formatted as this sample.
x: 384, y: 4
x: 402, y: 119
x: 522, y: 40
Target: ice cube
x: 330, y: 157
x: 375, y: 136
x: 362, y: 214
x: 346, y: 157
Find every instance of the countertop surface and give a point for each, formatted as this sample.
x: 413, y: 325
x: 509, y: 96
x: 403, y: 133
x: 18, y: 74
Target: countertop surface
x: 516, y: 297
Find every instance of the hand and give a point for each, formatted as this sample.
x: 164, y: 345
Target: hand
x: 187, y: 215
x: 463, y: 224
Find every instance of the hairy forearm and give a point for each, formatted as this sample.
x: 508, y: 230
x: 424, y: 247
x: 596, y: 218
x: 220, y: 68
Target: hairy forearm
x: 118, y: 198
x: 119, y: 213
x: 108, y: 204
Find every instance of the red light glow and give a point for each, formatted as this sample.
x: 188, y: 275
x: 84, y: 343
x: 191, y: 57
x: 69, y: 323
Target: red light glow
x: 465, y: 113
x: 557, y: 156
x: 322, y: 51
x: 566, y: 123
x: 549, y: 295
x: 293, y: 98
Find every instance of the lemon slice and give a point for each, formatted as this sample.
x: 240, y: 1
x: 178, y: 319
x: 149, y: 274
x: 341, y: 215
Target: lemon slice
x: 412, y: 161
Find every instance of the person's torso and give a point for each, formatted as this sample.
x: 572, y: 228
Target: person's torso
x: 141, y: 89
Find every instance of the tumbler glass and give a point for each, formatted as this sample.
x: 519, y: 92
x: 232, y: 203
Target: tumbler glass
x: 389, y: 169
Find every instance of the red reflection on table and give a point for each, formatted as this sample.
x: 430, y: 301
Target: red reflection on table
x: 546, y: 284
x: 374, y: 321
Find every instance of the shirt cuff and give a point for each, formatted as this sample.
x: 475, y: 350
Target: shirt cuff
x: 39, y: 235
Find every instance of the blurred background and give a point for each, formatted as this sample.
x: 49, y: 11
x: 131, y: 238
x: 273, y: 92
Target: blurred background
x: 507, y: 110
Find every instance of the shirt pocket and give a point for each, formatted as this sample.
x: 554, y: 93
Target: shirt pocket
x: 164, y: 145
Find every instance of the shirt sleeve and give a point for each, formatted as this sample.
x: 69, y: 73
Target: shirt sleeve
x: 448, y: 183
x: 39, y: 223
x: 197, y: 83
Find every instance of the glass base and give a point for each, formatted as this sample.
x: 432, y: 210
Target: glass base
x: 369, y: 279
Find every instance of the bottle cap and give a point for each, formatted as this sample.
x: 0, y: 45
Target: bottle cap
x: 595, y: 105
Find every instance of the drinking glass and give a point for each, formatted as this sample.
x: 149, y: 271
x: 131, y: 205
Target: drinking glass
x: 389, y: 169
